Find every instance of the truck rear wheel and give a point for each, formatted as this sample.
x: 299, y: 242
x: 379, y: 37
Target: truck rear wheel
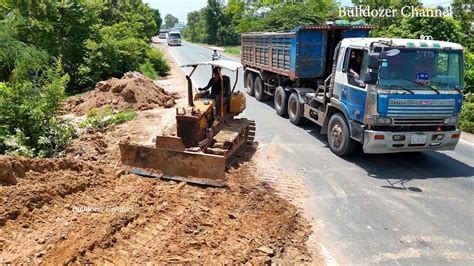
x: 295, y: 109
x: 281, y: 101
x: 259, y: 89
x: 249, y: 81
x: 339, y: 138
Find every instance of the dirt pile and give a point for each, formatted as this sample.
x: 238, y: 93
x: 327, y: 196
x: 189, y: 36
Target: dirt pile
x: 63, y: 211
x: 132, y: 91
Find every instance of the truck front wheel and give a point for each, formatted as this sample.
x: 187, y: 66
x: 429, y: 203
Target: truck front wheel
x: 339, y: 138
x: 260, y: 94
x: 249, y: 81
x: 281, y: 101
x: 295, y: 109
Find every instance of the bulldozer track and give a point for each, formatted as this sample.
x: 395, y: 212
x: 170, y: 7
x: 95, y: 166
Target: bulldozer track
x: 231, y: 138
x: 251, y: 132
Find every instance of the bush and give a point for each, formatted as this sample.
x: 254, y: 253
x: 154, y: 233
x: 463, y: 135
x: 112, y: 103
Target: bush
x: 103, y: 119
x: 158, y: 60
x: 148, y: 70
x: 113, y: 51
x: 29, y: 113
x: 467, y: 113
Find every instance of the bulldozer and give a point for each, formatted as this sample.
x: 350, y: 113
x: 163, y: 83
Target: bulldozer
x: 208, y: 135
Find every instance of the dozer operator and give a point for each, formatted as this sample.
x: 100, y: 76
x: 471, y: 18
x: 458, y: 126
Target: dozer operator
x: 215, y: 85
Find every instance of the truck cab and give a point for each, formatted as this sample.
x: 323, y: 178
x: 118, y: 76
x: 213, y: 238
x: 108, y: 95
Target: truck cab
x: 392, y: 95
x: 406, y: 95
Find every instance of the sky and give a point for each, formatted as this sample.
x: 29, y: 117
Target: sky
x: 181, y: 8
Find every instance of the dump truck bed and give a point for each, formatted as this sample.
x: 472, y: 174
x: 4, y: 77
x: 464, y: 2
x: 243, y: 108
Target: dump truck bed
x: 303, y: 53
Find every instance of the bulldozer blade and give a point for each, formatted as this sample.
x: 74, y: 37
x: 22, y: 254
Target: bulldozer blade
x: 192, y: 167
x: 198, y: 181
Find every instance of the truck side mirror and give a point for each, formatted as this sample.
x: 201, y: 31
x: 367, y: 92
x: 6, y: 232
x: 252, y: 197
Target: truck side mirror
x: 371, y: 78
x: 374, y: 61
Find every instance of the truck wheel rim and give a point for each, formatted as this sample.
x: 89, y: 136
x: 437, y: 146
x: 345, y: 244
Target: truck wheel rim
x: 249, y: 84
x: 278, y: 100
x: 293, y: 107
x: 337, y: 135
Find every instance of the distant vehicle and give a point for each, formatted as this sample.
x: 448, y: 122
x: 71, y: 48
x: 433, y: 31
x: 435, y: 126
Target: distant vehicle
x: 389, y: 95
x: 162, y: 34
x: 174, y: 38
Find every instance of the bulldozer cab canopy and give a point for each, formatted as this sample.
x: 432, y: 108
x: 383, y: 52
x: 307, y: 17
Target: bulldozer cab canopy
x: 226, y: 64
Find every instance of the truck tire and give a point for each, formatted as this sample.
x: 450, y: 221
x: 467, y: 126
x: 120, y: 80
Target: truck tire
x: 281, y: 101
x: 249, y: 81
x: 295, y: 110
x: 259, y: 89
x: 339, y: 138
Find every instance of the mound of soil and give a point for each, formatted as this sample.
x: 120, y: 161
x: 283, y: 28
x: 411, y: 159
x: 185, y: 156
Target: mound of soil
x: 62, y: 211
x: 132, y: 91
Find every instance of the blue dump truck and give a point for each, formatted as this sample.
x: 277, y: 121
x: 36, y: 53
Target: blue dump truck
x: 389, y: 95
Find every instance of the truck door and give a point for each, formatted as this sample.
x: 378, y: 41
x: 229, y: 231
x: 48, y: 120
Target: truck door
x: 353, y: 93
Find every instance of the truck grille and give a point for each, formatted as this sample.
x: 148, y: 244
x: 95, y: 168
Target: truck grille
x: 421, y: 111
x: 421, y: 107
x: 418, y: 121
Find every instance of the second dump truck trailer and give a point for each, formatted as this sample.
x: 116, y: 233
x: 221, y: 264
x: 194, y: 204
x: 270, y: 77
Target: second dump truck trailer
x: 390, y: 95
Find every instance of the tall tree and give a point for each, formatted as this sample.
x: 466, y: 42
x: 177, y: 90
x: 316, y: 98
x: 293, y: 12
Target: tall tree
x: 157, y: 18
x: 170, y: 21
x: 213, y: 14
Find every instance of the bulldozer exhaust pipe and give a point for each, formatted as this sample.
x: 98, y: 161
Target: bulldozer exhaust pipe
x: 190, y: 91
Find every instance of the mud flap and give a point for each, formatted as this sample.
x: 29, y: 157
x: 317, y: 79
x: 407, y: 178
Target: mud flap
x: 193, y: 167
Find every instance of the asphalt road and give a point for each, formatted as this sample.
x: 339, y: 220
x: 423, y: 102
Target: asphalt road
x: 370, y: 209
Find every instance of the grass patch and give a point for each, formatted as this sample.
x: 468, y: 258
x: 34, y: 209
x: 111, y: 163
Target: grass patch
x: 103, y: 119
x: 235, y: 50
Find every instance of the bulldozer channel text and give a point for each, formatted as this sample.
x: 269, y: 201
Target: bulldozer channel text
x: 406, y: 11
x: 108, y: 209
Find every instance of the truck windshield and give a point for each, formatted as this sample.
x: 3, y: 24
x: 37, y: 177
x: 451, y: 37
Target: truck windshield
x: 421, y: 68
x: 175, y: 36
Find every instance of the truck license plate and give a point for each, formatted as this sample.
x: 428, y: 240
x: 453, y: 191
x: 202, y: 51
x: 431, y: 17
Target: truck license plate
x: 418, y: 139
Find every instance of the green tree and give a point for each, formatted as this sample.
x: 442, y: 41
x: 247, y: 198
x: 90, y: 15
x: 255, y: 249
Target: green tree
x: 195, y: 30
x: 383, y: 23
x: 157, y: 18
x: 289, y: 16
x: 68, y: 29
x: 170, y: 21
x: 213, y: 15
x: 112, y: 51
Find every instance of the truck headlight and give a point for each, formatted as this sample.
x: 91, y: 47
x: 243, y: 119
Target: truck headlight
x: 453, y: 120
x: 378, y: 120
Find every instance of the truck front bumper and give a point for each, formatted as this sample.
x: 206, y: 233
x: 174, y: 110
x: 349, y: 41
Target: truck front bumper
x: 385, y: 142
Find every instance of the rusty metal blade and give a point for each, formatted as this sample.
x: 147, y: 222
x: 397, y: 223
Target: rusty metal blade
x: 184, y: 164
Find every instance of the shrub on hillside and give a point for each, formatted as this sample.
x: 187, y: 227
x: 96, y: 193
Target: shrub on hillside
x: 148, y: 70
x: 158, y: 60
x: 467, y: 113
x: 29, y: 120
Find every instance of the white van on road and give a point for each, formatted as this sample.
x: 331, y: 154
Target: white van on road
x: 174, y: 38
